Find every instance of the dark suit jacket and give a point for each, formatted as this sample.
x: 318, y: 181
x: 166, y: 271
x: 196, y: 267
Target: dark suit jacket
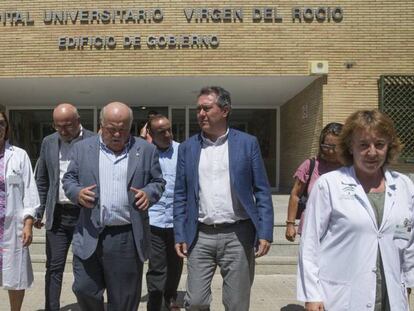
x: 144, y: 173
x: 247, y: 176
x: 47, y: 176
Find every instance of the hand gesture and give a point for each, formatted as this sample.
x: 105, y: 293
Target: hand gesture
x: 142, y: 201
x: 86, y: 197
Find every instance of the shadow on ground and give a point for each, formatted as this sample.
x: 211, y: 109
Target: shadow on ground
x: 292, y: 307
x: 71, y: 307
x: 75, y: 306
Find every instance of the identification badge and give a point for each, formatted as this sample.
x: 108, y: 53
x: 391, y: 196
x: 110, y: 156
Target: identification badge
x: 403, y: 231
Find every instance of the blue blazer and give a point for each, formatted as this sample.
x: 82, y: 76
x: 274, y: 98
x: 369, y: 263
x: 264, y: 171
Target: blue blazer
x: 248, y: 179
x: 144, y: 173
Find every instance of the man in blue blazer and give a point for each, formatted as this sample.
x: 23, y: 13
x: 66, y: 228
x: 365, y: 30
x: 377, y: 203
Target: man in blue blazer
x: 114, y: 178
x: 222, y: 206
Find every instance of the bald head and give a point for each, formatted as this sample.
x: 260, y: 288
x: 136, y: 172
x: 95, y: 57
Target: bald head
x: 116, y: 121
x: 117, y: 111
x: 66, y: 121
x: 65, y: 109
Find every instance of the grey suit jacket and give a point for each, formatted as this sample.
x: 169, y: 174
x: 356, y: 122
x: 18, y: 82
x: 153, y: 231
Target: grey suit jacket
x: 47, y: 176
x: 144, y: 173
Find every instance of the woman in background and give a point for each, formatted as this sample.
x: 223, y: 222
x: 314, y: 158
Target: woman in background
x: 18, y: 200
x: 326, y: 161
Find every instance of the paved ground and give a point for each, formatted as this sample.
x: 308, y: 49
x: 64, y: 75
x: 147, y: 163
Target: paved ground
x: 269, y: 293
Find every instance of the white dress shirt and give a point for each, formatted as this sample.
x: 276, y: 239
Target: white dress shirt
x: 218, y: 202
x: 64, y: 160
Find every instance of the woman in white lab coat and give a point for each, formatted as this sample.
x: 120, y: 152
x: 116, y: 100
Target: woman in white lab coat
x: 357, y: 247
x: 18, y: 200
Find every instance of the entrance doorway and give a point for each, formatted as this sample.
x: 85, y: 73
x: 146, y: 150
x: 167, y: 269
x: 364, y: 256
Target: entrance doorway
x: 256, y: 102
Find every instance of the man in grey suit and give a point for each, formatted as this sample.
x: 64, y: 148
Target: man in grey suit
x: 61, y: 214
x: 114, y: 178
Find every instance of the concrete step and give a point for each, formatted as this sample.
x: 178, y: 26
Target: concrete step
x: 39, y: 262
x: 284, y: 248
x: 276, y: 265
x: 38, y: 246
x: 282, y: 257
x: 268, y: 264
x: 278, y: 232
x: 280, y: 246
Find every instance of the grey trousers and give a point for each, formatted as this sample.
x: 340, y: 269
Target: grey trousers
x: 232, y: 249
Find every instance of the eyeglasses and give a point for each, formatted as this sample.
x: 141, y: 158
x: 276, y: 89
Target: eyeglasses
x: 67, y: 127
x: 328, y: 146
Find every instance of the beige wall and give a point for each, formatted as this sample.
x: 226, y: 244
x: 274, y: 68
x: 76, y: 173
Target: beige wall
x: 378, y: 36
x: 299, y: 137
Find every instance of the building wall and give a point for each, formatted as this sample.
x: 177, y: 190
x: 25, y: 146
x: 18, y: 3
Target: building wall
x: 375, y: 37
x: 300, y: 130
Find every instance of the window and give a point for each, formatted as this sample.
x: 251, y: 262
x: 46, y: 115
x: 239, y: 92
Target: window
x: 29, y: 127
x: 397, y: 100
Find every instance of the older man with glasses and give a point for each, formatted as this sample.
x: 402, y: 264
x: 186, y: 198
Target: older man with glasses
x: 61, y: 214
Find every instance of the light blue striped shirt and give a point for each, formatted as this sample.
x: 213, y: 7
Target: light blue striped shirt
x: 113, y: 190
x: 161, y: 213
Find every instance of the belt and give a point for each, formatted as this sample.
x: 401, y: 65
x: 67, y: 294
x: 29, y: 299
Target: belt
x: 66, y: 206
x: 120, y: 228
x: 224, y: 225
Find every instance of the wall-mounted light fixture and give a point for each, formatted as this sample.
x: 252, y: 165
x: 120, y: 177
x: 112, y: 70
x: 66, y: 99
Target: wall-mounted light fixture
x: 318, y: 67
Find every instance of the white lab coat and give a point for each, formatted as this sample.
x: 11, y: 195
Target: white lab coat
x: 340, y: 239
x: 22, y: 199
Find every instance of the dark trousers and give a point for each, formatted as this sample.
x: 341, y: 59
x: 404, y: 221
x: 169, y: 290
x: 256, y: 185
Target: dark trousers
x: 58, y: 241
x: 114, y: 266
x: 164, y: 269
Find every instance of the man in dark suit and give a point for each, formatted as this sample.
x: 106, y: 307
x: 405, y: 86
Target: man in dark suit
x: 114, y: 178
x: 222, y: 206
x: 61, y: 214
